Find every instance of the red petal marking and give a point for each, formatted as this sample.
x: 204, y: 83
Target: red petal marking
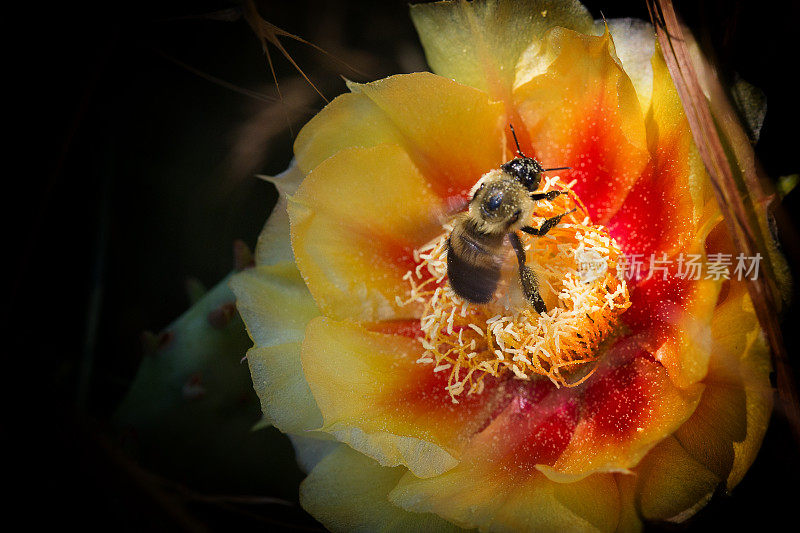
x: 422, y: 400
x: 531, y: 424
x: 393, y: 252
x: 392, y: 248
x: 515, y: 390
x: 427, y: 392
x: 405, y: 398
x: 625, y: 408
x: 653, y: 219
x: 583, y: 113
x: 657, y: 301
x: 594, y: 158
x: 657, y: 214
x: 542, y: 440
x: 672, y: 316
x: 403, y: 328
x: 420, y: 395
x: 450, y: 180
x: 616, y: 402
x: 657, y: 312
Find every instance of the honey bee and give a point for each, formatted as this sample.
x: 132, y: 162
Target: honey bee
x: 500, y: 207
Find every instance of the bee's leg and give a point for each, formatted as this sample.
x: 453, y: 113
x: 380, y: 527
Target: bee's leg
x: 549, y: 224
x: 549, y: 196
x: 526, y: 276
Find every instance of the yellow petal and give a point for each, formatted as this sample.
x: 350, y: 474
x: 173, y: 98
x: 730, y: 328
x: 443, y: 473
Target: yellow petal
x: 663, y: 211
x: 634, y: 43
x: 480, y: 43
x: 350, y: 120
x: 669, y: 133
x: 629, y: 519
x: 583, y: 112
x: 347, y: 491
x: 274, y: 303
x: 686, y: 347
x: 477, y: 495
x: 720, y: 440
x: 726, y: 430
x: 625, y: 411
x: 279, y: 382
x: 276, y: 307
x: 671, y: 485
x: 310, y: 450
x: 355, y: 222
x: 375, y: 397
x: 273, y: 244
x: 675, y: 315
x: 451, y: 132
x: 287, y: 181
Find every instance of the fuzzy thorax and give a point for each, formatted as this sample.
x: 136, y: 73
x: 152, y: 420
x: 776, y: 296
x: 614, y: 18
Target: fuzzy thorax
x: 493, y: 182
x: 578, y: 269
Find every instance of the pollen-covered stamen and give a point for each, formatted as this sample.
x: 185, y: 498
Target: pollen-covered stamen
x: 576, y: 266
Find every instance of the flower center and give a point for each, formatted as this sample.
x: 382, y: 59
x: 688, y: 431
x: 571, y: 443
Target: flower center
x: 576, y: 267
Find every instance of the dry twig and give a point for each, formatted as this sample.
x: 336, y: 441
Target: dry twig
x: 736, y: 212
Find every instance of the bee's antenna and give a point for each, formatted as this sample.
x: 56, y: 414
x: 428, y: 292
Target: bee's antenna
x: 556, y: 168
x: 514, y: 133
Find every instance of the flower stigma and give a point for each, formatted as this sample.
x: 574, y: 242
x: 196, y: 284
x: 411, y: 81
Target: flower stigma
x: 579, y: 269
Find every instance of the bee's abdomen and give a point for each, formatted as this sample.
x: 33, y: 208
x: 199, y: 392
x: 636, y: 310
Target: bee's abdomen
x: 473, y: 273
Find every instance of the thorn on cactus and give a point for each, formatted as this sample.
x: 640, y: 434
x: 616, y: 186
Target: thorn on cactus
x: 222, y: 315
x: 193, y: 388
x: 195, y: 290
x: 152, y: 343
x: 242, y: 256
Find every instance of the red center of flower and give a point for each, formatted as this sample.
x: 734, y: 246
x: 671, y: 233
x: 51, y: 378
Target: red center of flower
x: 576, y: 269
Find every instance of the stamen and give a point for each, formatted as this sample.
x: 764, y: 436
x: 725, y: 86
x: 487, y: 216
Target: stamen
x: 576, y: 266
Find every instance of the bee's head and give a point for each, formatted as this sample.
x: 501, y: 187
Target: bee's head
x: 526, y: 170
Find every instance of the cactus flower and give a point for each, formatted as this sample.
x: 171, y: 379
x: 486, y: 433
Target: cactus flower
x: 633, y: 398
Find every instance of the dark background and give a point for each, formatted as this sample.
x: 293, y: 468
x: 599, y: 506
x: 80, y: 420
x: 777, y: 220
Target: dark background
x: 134, y: 172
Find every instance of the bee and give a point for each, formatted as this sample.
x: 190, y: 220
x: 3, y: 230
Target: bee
x: 499, y: 208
